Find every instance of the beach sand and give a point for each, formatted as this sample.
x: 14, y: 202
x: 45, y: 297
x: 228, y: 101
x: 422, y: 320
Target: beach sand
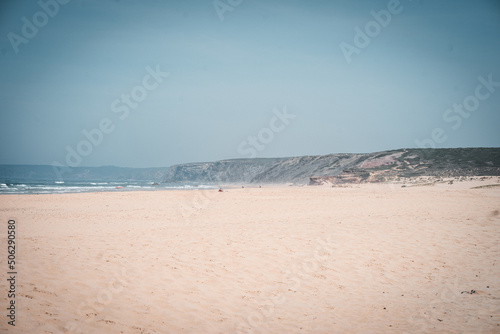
x: 359, y: 259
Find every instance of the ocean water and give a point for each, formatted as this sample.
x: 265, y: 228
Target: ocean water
x: 29, y: 186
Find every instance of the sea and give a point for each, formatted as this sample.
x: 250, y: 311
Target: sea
x: 30, y: 186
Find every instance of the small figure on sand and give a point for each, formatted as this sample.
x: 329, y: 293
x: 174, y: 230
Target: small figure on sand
x: 220, y: 190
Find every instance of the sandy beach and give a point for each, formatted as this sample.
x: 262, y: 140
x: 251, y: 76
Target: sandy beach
x: 359, y: 259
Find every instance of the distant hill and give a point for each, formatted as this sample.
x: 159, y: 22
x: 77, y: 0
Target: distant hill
x: 332, y: 168
x: 369, y: 167
x: 106, y: 173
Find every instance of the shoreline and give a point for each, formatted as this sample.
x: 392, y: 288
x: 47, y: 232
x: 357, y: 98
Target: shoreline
x: 404, y: 182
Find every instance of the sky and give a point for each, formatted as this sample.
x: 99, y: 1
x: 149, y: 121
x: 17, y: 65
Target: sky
x: 156, y: 83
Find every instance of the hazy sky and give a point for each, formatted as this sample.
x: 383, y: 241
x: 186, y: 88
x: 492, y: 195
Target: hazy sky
x: 300, y: 77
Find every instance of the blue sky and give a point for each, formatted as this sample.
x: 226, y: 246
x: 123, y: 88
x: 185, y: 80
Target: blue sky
x: 225, y: 78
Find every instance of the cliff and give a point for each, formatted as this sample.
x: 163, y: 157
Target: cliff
x: 314, y: 170
x: 236, y: 170
x: 344, y: 168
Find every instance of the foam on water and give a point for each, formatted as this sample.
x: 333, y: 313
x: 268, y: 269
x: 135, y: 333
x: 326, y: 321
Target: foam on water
x: 67, y: 186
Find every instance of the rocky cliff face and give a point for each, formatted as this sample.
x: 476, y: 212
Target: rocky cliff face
x: 279, y: 170
x: 331, y: 168
x: 412, y: 163
x: 342, y: 168
x: 301, y: 169
x: 228, y: 171
x: 347, y: 176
